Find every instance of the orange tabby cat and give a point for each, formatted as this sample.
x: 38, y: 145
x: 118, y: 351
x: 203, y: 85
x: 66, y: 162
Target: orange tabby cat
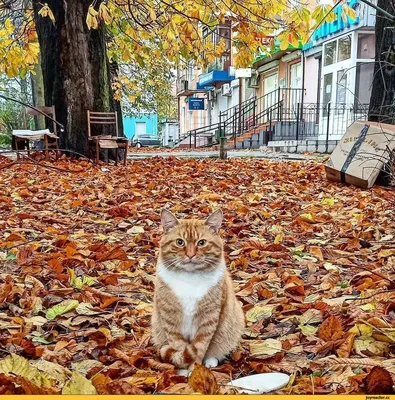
x: 196, y: 316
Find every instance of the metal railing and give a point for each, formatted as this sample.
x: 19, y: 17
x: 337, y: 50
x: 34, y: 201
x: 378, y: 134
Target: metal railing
x: 278, y: 115
x: 317, y: 121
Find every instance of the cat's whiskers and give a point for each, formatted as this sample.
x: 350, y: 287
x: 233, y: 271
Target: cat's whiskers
x: 167, y: 266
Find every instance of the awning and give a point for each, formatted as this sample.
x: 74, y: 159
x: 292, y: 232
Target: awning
x: 275, y: 54
x: 212, y: 78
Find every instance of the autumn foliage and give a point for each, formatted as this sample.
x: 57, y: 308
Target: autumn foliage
x: 313, y: 264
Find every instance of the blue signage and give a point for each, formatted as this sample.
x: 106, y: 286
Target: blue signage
x: 338, y: 25
x: 213, y: 77
x: 196, y: 103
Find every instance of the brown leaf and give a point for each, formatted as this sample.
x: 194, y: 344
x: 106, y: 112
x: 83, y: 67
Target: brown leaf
x: 202, y: 380
x: 331, y: 329
x: 379, y: 381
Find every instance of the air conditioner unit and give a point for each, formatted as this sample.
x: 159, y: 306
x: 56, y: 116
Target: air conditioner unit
x: 211, y: 96
x: 253, y: 82
x: 226, y: 90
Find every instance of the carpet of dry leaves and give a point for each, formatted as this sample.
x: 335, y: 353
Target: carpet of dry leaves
x: 313, y: 263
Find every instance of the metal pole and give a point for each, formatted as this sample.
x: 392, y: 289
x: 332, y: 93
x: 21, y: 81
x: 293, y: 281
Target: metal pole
x: 297, y: 120
x: 195, y: 139
x: 327, y: 128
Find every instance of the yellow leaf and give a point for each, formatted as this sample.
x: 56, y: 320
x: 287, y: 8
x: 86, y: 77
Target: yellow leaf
x: 45, y: 11
x: 328, y: 201
x: 14, y: 365
x: 152, y: 14
x: 61, y: 308
x: 258, y: 312
x: 135, y: 230
x: 368, y: 346
x: 78, y: 384
x: 311, y: 316
x: 104, y: 14
x: 284, y: 44
x: 91, y: 18
x: 279, y: 238
x: 386, y: 253
x: 53, y: 370
x: 266, y: 347
x: 307, y: 217
x: 368, y: 307
x: 80, y: 281
x: 362, y: 330
x: 308, y: 330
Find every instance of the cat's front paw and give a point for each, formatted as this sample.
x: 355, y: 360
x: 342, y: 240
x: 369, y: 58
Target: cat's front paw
x: 211, y: 362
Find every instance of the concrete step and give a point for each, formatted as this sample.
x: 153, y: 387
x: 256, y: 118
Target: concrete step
x: 303, y: 146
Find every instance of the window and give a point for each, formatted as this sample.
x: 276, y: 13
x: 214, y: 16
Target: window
x: 191, y: 70
x: 328, y: 80
x: 366, y: 46
x: 341, y: 87
x: 364, y: 80
x: 344, y: 48
x: 141, y: 128
x: 330, y: 53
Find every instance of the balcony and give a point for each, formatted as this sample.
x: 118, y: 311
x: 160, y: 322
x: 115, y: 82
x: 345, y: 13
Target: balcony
x: 220, y: 64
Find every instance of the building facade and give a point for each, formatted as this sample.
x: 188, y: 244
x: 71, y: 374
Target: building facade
x: 142, y: 124
x: 313, y: 91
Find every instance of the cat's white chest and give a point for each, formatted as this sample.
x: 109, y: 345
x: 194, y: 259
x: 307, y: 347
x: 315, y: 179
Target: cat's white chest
x: 190, y: 288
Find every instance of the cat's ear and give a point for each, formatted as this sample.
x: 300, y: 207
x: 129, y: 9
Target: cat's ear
x: 214, y: 221
x: 168, y: 220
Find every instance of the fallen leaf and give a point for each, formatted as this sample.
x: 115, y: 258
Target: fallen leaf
x: 331, y: 329
x: 61, y: 308
x: 78, y: 384
x: 379, y: 381
x: 203, y: 381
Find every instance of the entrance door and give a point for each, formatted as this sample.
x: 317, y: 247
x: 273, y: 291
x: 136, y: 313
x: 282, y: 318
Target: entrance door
x: 269, y: 89
x: 295, y: 93
x: 337, y: 96
x: 296, y: 76
x: 141, y: 128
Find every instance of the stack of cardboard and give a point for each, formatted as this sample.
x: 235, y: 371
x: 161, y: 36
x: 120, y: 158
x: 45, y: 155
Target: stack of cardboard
x: 361, y: 154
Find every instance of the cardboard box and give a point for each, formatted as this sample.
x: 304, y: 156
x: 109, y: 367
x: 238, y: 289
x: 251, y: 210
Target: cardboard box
x: 361, y: 154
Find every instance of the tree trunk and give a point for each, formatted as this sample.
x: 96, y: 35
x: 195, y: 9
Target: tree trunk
x: 382, y: 101
x: 75, y: 68
x: 38, y: 95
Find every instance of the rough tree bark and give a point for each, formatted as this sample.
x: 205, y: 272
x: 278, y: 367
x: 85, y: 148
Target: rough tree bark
x: 382, y: 101
x: 75, y: 68
x: 38, y: 94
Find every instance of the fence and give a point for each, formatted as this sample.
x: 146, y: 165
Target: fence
x: 280, y: 115
x: 317, y: 121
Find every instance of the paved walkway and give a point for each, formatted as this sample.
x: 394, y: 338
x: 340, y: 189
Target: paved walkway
x: 204, y: 154
x: 215, y: 154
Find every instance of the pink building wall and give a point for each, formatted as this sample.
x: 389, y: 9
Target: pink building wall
x: 311, y: 79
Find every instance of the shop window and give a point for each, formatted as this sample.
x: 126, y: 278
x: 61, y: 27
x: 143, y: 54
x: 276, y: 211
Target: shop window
x: 364, y: 81
x: 341, y: 87
x: 366, y: 46
x: 330, y: 53
x: 344, y: 48
x: 328, y: 81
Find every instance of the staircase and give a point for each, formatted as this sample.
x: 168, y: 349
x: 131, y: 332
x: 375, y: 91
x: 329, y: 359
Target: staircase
x: 250, y: 124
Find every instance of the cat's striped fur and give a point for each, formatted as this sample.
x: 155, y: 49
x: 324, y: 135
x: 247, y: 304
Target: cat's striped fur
x: 196, y: 316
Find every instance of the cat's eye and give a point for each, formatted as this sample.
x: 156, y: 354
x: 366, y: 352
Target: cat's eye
x: 202, y: 243
x: 180, y: 242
